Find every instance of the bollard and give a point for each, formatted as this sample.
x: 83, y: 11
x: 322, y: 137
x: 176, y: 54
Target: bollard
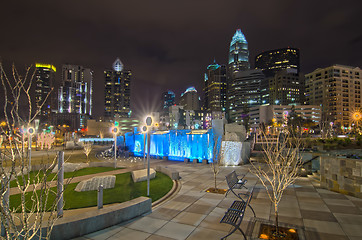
x: 100, y: 197
x: 5, y: 203
x: 60, y: 184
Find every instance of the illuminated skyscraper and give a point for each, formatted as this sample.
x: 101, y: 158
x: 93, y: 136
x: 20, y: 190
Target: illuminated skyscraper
x: 75, y: 92
x: 117, y: 95
x: 168, y: 99
x: 239, y: 53
x: 44, y: 80
x: 275, y: 60
x: 215, y: 84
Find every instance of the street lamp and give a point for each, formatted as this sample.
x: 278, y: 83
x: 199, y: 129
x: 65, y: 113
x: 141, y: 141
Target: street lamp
x: 115, y: 130
x: 356, y: 116
x: 149, y: 124
x: 31, y: 132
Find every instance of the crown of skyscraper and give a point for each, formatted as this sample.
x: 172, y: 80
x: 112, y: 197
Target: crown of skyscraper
x: 238, y: 37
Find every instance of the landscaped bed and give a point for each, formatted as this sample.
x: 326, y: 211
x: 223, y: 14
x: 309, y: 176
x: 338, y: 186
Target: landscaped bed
x: 125, y: 189
x: 52, y: 176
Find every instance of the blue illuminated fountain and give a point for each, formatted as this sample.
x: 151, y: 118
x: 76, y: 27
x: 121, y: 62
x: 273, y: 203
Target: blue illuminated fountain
x: 174, y: 144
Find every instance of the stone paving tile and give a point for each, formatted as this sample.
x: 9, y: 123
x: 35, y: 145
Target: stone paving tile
x: 312, y: 206
x: 126, y: 234
x: 147, y: 224
x: 307, y: 194
x: 312, y: 235
x: 341, y: 202
x: 289, y: 212
x: 189, y: 218
x: 185, y: 198
x: 333, y: 196
x: 292, y: 220
x: 207, y: 234
x: 175, y: 230
x: 158, y: 237
x: 200, y: 208
x: 323, y: 227
x: 164, y: 213
x: 323, y: 190
x: 345, y: 209
x: 352, y: 229
x: 357, y: 203
x: 105, y: 233
x: 318, y: 215
x: 349, y: 218
x: 175, y: 205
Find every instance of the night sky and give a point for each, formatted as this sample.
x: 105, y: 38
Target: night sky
x: 168, y: 44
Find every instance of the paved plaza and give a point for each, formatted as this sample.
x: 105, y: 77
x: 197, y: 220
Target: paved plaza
x: 193, y: 213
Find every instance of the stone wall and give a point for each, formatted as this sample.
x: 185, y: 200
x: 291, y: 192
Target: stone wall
x: 342, y: 175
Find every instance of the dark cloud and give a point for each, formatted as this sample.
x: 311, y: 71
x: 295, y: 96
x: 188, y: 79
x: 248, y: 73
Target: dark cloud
x: 168, y: 44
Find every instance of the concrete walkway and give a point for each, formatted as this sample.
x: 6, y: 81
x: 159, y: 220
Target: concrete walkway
x: 195, y: 214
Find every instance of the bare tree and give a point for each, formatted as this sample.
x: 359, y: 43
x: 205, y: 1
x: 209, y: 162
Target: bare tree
x: 219, y: 152
x: 283, y: 162
x: 34, y: 210
x: 87, y: 148
x: 216, y: 159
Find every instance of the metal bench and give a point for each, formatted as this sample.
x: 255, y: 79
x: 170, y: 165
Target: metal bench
x: 235, y: 214
x: 235, y: 183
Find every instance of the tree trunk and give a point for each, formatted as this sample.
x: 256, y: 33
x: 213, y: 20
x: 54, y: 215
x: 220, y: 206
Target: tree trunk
x: 276, y: 221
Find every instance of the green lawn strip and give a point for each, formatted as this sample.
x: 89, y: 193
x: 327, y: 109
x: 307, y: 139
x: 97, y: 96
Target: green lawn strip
x: 125, y: 189
x: 52, y: 176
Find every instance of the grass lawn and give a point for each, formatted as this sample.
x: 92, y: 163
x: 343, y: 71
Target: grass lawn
x: 52, y: 176
x: 125, y: 189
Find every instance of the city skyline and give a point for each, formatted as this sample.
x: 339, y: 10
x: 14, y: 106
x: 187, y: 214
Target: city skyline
x: 169, y: 47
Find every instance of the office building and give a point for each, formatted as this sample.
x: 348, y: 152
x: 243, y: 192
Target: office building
x: 190, y: 100
x: 269, y: 114
x: 337, y: 89
x: 286, y: 87
x: 75, y: 92
x: 273, y: 61
x: 244, y: 92
x: 117, y: 91
x: 44, y: 92
x: 168, y: 99
x: 215, y: 86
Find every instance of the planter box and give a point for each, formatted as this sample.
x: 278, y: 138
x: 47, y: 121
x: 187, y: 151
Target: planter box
x: 253, y: 230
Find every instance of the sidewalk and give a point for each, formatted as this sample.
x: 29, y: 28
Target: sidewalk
x: 195, y: 214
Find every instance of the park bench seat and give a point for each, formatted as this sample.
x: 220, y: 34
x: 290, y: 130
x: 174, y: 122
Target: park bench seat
x: 235, y: 214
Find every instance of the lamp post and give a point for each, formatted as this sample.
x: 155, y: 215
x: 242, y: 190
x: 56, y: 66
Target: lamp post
x: 31, y: 132
x: 148, y: 123
x: 144, y: 130
x: 115, y: 131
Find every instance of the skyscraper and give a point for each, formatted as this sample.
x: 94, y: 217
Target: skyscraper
x: 238, y: 62
x: 44, y: 83
x: 273, y: 61
x: 215, y: 84
x: 75, y: 92
x: 244, y: 92
x: 117, y: 95
x: 168, y: 99
x: 238, y: 53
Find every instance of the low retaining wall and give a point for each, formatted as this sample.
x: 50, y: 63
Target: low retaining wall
x: 173, y: 174
x: 98, y: 219
x: 342, y: 175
